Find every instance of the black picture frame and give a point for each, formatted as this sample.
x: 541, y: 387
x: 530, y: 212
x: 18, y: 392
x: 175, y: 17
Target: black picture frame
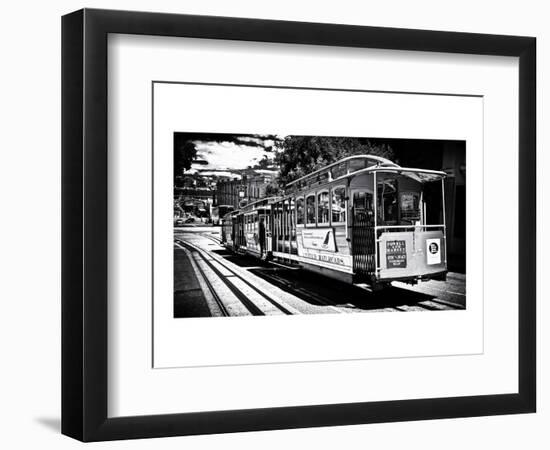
x: 84, y: 224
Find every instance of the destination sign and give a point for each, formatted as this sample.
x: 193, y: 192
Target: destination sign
x: 396, y: 254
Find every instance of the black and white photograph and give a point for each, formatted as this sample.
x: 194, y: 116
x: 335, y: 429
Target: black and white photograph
x: 268, y: 224
x: 275, y: 225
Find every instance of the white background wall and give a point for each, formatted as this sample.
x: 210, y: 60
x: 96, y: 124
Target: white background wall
x: 30, y: 221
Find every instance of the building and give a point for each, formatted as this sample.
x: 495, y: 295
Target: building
x: 251, y: 187
x: 450, y: 157
x: 193, y: 195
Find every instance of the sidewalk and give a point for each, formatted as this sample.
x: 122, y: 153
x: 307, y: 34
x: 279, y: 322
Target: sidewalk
x: 189, y: 299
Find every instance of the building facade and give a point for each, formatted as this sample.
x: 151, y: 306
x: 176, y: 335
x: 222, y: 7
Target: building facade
x: 449, y: 157
x: 250, y: 188
x: 193, y: 195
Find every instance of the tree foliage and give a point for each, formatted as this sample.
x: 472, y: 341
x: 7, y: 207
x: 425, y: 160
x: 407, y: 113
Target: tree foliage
x: 264, y: 163
x: 300, y: 155
x: 185, y: 152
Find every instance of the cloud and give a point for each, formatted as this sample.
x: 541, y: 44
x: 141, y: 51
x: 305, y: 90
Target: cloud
x: 221, y: 173
x: 252, y: 140
x: 228, y: 155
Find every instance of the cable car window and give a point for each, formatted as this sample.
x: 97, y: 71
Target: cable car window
x: 310, y: 209
x: 285, y: 219
x: 323, y: 207
x: 339, y: 204
x: 387, y: 201
x: 300, y: 211
x: 363, y: 200
x: 409, y: 203
x: 357, y: 164
x: 339, y: 170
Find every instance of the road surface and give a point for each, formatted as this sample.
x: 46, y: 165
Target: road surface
x: 212, y: 281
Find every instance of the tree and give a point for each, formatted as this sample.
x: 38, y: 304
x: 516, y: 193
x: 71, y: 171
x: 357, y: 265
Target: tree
x: 185, y: 152
x: 300, y: 155
x: 272, y: 189
x: 264, y: 163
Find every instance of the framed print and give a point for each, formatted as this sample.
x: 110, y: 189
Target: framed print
x: 316, y: 224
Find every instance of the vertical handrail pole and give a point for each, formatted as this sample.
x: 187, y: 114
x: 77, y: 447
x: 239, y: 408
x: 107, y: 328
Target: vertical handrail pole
x: 375, y: 189
x: 288, y: 225
x: 444, y: 217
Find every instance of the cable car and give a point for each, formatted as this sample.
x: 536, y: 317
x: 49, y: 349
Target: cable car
x: 219, y: 211
x: 361, y: 220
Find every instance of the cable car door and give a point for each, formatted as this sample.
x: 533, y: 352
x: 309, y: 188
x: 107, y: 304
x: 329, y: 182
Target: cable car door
x: 264, y: 234
x: 362, y: 234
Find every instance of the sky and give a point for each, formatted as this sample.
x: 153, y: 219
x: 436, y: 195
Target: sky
x: 229, y: 155
x: 226, y: 157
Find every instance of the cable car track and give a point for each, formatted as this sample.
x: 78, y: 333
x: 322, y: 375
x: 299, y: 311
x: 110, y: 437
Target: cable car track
x: 250, y: 305
x: 292, y: 286
x: 213, y: 292
x: 447, y: 304
x: 316, y: 299
x: 321, y: 300
x: 212, y: 238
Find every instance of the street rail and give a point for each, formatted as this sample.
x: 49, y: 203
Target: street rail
x: 249, y: 290
x: 237, y: 284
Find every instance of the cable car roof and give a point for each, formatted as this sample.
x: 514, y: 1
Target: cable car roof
x: 420, y: 175
x: 262, y: 202
x: 378, y: 161
x: 229, y: 214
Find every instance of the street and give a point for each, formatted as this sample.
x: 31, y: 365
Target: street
x: 211, y: 281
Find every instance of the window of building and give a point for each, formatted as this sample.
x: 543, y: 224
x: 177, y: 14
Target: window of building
x: 310, y: 209
x: 323, y: 207
x: 338, y: 204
